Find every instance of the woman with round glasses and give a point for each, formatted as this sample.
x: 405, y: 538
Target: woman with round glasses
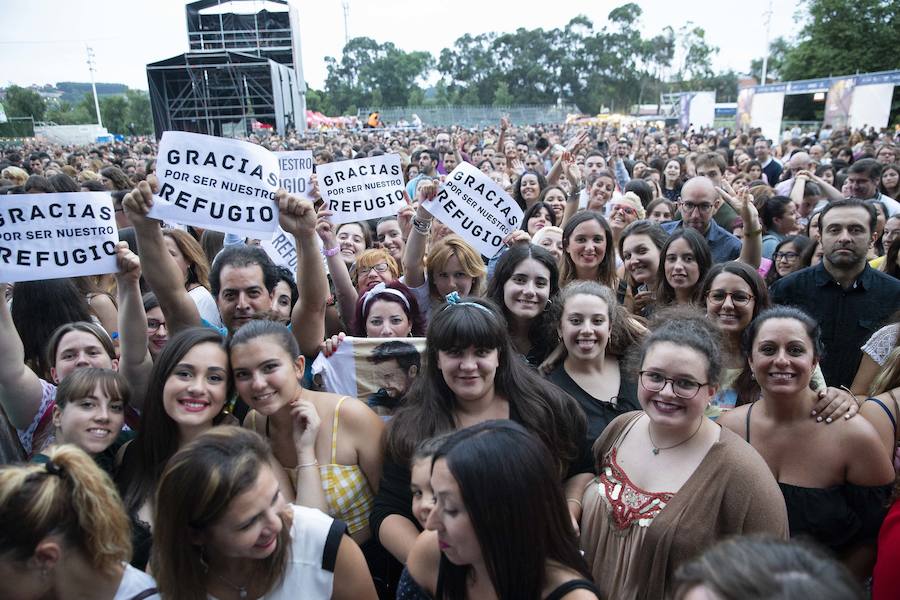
x: 786, y: 257
x: 734, y: 294
x: 671, y: 482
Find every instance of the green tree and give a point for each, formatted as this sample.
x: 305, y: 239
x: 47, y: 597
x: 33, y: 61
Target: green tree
x: 502, y: 97
x: 842, y: 38
x: 778, y: 50
x: 139, y: 115
x: 20, y: 102
x: 367, y: 67
x: 114, y: 111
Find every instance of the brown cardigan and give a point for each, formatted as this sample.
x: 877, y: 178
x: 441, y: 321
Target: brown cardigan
x: 732, y: 492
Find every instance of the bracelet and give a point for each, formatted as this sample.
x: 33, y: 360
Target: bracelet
x: 754, y: 232
x: 314, y: 463
x: 576, y: 501
x: 331, y: 251
x: 423, y: 226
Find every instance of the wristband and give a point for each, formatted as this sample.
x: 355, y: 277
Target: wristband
x: 754, y: 232
x: 331, y: 251
x: 314, y: 463
x: 421, y: 225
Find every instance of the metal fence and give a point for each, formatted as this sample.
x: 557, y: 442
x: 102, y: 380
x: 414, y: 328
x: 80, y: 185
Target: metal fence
x: 472, y: 116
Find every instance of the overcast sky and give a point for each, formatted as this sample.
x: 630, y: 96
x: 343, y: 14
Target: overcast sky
x: 44, y: 40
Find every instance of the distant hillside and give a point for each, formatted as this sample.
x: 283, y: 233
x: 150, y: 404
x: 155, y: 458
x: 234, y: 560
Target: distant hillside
x: 74, y: 91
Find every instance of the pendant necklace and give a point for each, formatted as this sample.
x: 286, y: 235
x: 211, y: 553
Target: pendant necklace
x: 656, y: 448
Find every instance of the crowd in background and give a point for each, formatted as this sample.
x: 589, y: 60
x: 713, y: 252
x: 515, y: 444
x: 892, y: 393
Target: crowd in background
x: 678, y: 379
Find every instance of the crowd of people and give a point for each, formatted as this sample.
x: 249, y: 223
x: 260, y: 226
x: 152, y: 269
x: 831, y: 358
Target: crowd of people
x: 679, y: 378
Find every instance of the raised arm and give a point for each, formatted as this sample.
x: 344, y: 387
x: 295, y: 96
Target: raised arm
x: 751, y: 247
x: 344, y: 289
x: 160, y: 269
x: 574, y: 176
x: 135, y: 362
x: 298, y: 217
x: 414, y: 252
x: 20, y: 388
x: 501, y: 140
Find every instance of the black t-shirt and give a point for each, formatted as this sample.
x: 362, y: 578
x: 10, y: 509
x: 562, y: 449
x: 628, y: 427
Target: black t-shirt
x: 599, y: 411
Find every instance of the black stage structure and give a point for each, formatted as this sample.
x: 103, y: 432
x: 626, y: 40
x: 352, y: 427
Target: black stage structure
x: 240, y: 68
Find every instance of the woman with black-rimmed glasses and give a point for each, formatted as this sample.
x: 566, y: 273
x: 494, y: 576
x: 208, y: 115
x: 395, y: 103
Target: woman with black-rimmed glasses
x: 671, y: 482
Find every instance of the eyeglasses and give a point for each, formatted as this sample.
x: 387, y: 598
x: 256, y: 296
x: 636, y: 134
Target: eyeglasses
x: 689, y: 207
x: 379, y: 268
x: 682, y: 387
x: 153, y: 325
x: 788, y: 256
x: 717, y: 297
x: 623, y: 208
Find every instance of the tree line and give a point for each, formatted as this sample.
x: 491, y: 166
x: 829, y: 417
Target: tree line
x: 607, y: 67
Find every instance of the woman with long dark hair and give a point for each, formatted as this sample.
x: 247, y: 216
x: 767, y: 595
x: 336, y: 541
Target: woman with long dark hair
x: 500, y: 527
x: 685, y: 259
x: 186, y: 396
x: 524, y: 283
x: 471, y: 373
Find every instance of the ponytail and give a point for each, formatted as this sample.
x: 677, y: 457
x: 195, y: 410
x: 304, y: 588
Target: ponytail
x: 63, y: 493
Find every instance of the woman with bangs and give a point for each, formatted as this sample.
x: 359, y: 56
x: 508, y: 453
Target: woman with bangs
x: 588, y: 253
x: 472, y: 373
x: 452, y: 266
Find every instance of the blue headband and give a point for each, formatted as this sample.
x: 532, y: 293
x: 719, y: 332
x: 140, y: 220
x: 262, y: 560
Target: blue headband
x: 453, y: 300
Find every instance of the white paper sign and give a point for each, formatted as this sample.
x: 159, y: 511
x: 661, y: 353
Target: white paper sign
x: 216, y: 183
x: 476, y: 208
x: 49, y: 236
x: 282, y: 249
x: 296, y: 170
x: 366, y: 188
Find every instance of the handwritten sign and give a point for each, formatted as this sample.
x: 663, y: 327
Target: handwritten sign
x: 49, y: 236
x: 476, y: 208
x: 216, y: 183
x: 296, y: 170
x: 366, y: 188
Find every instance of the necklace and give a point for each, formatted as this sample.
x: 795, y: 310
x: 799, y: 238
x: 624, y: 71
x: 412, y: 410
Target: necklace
x: 656, y: 448
x: 242, y: 591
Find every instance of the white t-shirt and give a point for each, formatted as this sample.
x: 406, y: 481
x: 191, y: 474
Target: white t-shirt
x: 135, y: 581
x: 206, y: 305
x: 315, y: 538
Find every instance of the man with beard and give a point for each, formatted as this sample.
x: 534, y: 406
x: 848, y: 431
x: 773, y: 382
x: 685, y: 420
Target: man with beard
x: 848, y: 298
x: 398, y: 364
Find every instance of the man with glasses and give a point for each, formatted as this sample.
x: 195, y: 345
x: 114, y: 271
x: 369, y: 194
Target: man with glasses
x: 699, y: 202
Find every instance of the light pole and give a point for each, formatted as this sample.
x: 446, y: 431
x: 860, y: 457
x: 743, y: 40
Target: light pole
x: 765, y: 65
x: 91, y: 68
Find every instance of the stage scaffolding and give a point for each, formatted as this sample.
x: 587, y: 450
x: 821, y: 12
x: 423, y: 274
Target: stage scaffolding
x: 242, y: 71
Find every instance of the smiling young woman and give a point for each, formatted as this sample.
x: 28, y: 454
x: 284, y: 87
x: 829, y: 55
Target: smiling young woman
x: 671, y: 481
x: 827, y: 476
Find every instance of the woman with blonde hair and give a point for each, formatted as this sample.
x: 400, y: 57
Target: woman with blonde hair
x: 64, y: 532
x: 225, y: 531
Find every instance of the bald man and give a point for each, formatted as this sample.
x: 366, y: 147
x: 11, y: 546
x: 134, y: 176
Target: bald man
x: 800, y: 161
x: 699, y: 202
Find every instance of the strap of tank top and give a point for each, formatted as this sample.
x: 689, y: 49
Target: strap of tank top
x: 887, y: 411
x: 575, y: 584
x: 896, y: 408
x: 334, y: 430
x: 749, y: 410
